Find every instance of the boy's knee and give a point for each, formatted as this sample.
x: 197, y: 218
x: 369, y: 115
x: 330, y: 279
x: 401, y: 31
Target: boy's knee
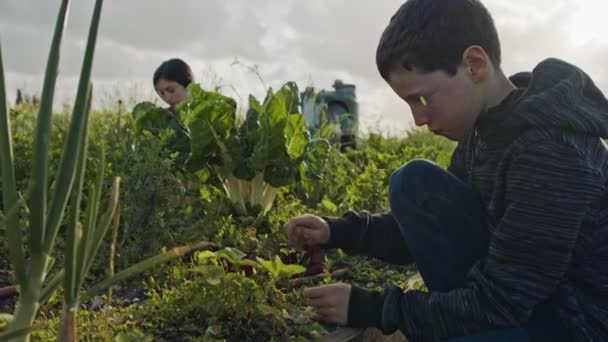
x: 406, y: 181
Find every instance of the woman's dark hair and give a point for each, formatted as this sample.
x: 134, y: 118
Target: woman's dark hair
x: 433, y: 34
x: 175, y: 70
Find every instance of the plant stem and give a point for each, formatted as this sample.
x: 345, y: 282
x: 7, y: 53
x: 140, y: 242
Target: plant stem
x: 29, y: 298
x: 68, y: 326
x: 113, y: 251
x: 25, y: 313
x: 270, y: 194
x: 10, y: 197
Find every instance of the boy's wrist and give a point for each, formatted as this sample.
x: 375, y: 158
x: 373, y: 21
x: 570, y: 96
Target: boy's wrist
x: 335, y: 227
x: 365, y: 308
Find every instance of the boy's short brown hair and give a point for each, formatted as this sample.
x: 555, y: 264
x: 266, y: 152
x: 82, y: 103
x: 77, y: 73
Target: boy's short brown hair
x: 430, y: 35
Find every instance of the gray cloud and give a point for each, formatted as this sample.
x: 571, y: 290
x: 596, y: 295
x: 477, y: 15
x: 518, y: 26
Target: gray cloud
x: 339, y: 35
x: 207, y: 29
x: 539, y: 36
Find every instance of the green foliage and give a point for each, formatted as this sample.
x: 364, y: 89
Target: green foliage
x: 154, y: 199
x: 158, y: 121
x: 203, y: 297
x: 232, y: 306
x: 210, y: 116
x: 269, y: 149
x: 373, y: 182
x: 278, y: 269
x: 93, y: 325
x: 150, y: 118
x: 373, y: 274
x: 367, y: 170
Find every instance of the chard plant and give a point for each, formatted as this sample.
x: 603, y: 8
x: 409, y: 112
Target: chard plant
x: 254, y: 157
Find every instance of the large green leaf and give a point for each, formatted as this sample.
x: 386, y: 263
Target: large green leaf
x: 271, y: 144
x: 8, y: 188
x: 290, y: 97
x: 240, y: 151
x: 79, y: 126
x: 282, y: 172
x: 149, y: 117
x: 40, y: 158
x: 283, y: 137
x: 232, y: 255
x: 241, y: 146
x: 255, y: 108
x: 297, y: 136
x: 279, y: 270
x: 180, y: 140
x: 210, y: 117
x: 270, y: 153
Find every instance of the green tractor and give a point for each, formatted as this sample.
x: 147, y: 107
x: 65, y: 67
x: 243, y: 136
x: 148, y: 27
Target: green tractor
x: 340, y: 108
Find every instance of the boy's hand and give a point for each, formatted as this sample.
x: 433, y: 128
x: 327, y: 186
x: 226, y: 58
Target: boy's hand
x: 330, y: 302
x: 307, y: 231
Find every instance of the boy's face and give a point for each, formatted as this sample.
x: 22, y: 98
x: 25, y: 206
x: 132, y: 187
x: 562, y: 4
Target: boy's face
x: 447, y: 105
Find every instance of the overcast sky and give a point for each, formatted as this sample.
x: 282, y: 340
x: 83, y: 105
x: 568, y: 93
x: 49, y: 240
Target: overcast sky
x: 312, y: 42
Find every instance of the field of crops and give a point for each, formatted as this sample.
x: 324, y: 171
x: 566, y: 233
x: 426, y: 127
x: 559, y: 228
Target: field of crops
x: 134, y: 224
x: 231, y: 289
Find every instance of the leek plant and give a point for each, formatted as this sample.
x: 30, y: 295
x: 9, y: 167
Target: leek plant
x: 45, y: 212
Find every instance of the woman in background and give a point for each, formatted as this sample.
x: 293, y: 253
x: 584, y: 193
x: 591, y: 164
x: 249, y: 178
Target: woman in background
x: 170, y: 81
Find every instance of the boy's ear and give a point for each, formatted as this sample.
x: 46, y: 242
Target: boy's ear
x: 476, y: 63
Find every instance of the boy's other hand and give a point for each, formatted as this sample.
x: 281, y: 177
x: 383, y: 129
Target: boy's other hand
x: 330, y: 302
x: 307, y: 231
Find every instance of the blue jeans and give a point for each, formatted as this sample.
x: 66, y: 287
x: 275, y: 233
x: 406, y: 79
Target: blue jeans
x: 443, y: 223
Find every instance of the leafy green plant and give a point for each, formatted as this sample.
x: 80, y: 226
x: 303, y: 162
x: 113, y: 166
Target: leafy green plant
x: 262, y: 154
x: 94, y: 325
x: 213, y: 302
x: 156, y: 120
x: 225, y: 260
x: 269, y: 149
x: 372, y: 182
x: 155, y: 199
x: 278, y: 270
x: 45, y: 217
